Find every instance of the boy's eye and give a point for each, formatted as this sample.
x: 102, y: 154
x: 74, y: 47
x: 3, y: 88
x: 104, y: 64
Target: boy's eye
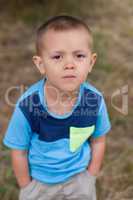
x: 80, y: 56
x: 57, y: 57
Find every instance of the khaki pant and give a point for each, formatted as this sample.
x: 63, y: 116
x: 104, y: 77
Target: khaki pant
x: 80, y: 187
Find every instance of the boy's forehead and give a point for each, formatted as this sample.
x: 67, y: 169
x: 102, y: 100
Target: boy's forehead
x: 66, y: 38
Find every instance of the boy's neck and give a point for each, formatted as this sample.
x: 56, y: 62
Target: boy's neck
x: 59, y: 101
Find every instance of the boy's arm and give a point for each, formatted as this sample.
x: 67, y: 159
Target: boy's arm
x: 20, y: 167
x: 98, y: 149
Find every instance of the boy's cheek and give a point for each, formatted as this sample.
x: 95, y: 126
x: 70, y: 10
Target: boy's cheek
x: 83, y: 76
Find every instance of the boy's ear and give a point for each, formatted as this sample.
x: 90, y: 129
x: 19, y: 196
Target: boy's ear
x: 37, y: 60
x: 92, y: 61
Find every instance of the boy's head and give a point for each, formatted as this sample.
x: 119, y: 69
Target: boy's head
x: 64, y: 51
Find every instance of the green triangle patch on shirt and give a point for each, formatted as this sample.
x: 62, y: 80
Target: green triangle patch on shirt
x: 79, y: 135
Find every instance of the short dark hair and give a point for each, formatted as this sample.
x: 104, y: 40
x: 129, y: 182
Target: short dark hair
x: 60, y: 23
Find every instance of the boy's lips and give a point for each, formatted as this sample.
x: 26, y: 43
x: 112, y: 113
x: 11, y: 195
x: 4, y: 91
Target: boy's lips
x: 69, y: 77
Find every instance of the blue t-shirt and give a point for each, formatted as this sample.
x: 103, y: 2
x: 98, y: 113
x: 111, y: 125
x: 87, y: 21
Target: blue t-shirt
x: 58, y: 145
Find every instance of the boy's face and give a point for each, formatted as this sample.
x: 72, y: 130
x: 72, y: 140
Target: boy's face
x: 66, y: 58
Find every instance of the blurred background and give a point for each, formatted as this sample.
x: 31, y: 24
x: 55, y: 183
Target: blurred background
x: 112, y: 25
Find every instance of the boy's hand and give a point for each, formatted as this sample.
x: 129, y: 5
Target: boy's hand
x: 92, y: 173
x: 98, y: 149
x: 25, y: 185
x: 20, y: 167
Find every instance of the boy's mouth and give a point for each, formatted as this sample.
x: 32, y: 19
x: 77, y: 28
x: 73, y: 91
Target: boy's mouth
x: 69, y: 77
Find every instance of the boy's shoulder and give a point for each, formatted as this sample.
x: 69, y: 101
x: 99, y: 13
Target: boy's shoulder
x: 92, y: 88
x: 35, y: 87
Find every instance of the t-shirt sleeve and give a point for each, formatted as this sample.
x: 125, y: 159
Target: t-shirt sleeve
x: 18, y: 132
x: 103, y: 124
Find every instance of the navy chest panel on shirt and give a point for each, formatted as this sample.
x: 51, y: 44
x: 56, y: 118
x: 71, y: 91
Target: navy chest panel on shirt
x: 51, y: 129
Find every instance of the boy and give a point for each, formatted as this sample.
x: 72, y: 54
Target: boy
x: 57, y: 131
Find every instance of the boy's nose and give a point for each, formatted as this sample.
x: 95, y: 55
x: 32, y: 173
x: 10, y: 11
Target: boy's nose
x: 69, y: 66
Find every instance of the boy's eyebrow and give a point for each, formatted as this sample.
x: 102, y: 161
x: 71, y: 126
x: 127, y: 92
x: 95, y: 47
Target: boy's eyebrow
x: 80, y: 51
x: 61, y: 51
x: 76, y: 51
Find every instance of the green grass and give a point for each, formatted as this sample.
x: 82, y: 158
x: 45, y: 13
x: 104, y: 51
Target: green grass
x: 101, y: 48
